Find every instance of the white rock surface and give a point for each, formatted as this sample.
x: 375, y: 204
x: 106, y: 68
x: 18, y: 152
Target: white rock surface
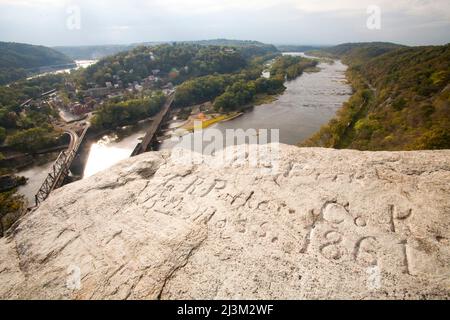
x: 329, y: 224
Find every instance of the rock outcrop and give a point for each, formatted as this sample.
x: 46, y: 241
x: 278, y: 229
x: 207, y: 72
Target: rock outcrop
x: 327, y: 224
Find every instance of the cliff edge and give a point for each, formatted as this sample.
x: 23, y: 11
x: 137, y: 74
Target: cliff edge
x: 326, y: 224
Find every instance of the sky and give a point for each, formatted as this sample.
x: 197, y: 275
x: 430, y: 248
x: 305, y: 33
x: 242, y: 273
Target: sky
x: 95, y: 22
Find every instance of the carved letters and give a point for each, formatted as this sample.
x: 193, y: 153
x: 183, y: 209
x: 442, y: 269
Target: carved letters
x: 334, y: 241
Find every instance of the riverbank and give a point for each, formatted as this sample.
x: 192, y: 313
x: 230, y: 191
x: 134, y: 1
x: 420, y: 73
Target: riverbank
x: 208, y: 121
x: 64, y: 69
x: 18, y: 161
x: 339, y: 132
x: 210, y: 117
x: 10, y: 182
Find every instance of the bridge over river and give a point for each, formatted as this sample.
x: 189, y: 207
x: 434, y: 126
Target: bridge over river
x: 60, y: 169
x: 152, y: 132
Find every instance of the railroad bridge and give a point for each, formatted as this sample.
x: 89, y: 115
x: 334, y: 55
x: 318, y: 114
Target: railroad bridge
x: 151, y: 136
x: 60, y: 169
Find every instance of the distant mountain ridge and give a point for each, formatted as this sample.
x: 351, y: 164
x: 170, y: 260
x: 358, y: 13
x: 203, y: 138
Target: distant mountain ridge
x: 17, y: 60
x: 352, y: 47
x: 227, y: 42
x: 101, y: 51
x: 92, y: 52
x: 357, y: 52
x: 27, y: 56
x: 298, y: 48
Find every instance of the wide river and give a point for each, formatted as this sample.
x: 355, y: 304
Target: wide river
x: 309, y: 102
x: 79, y: 64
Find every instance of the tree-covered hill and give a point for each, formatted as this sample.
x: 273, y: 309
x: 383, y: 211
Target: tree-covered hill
x: 401, y: 99
x: 228, y: 43
x: 91, y: 52
x: 180, y: 61
x: 102, y: 51
x: 26, y: 56
x: 18, y: 59
x: 357, y: 48
x: 248, y: 48
x: 356, y: 53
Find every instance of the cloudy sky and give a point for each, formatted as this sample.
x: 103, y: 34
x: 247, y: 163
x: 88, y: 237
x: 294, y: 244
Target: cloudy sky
x: 89, y: 22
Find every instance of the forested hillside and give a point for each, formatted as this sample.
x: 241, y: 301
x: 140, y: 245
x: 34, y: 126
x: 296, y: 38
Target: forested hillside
x: 401, y: 100
x: 18, y: 55
x: 362, y: 50
x: 17, y: 60
x: 181, y: 61
x: 32, y: 130
x: 102, y: 51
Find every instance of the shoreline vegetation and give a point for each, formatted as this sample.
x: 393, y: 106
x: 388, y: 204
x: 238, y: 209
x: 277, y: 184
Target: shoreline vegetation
x: 117, y: 114
x: 213, y: 118
x: 234, y: 94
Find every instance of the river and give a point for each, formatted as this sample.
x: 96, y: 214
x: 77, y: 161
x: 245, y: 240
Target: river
x: 79, y: 64
x: 112, y: 148
x: 309, y: 102
x: 36, y: 175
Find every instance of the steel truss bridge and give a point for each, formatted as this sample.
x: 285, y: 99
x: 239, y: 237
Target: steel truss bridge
x: 61, y: 167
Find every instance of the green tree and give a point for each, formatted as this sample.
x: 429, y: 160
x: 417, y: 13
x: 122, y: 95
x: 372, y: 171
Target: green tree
x: 2, y: 134
x: 33, y: 139
x: 11, y: 204
x: 114, y: 114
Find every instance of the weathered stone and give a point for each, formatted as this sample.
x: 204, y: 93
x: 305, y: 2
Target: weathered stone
x: 328, y: 224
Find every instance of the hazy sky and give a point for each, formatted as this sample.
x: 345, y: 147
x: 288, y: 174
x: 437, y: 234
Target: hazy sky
x: 88, y: 22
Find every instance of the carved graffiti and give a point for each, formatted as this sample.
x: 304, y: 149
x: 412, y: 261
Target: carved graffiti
x: 332, y: 250
x: 365, y: 251
x: 395, y: 214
